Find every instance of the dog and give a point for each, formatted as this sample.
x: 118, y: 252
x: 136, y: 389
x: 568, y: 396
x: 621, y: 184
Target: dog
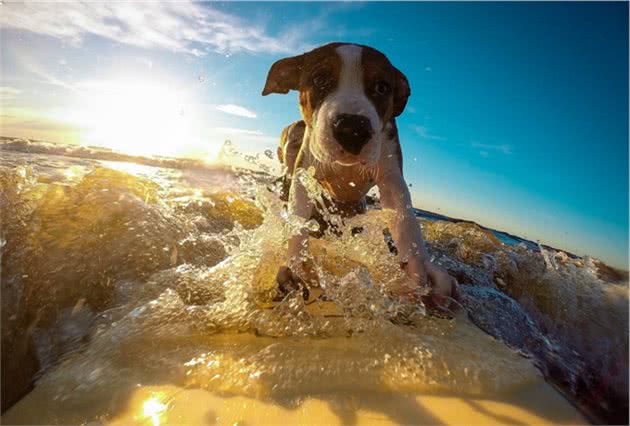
x: 349, y: 98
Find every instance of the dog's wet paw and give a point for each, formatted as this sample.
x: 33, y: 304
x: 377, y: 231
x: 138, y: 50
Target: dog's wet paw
x: 288, y: 282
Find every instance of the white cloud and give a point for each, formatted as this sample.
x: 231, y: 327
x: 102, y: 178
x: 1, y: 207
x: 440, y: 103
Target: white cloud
x: 7, y: 93
x: 247, y: 140
x: 236, y: 110
x: 245, y: 135
x: 504, y: 149
x: 31, y: 64
x: 238, y: 131
x: 181, y: 26
x: 424, y: 133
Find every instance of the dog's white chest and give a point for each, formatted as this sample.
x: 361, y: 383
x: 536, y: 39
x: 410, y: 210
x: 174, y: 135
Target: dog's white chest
x: 347, y: 183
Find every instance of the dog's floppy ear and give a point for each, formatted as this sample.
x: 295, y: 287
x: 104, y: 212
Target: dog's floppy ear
x: 284, y: 75
x: 401, y: 92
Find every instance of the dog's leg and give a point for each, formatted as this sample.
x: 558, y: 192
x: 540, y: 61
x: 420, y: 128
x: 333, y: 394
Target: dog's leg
x: 404, y: 228
x: 297, y: 271
x: 407, y: 236
x: 290, y: 145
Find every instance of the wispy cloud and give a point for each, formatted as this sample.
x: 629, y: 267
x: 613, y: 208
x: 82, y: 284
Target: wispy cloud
x: 8, y: 93
x: 181, y: 26
x: 35, y: 124
x: 255, y: 138
x: 503, y: 149
x: 239, y: 131
x: 424, y: 133
x: 31, y: 64
x: 236, y: 110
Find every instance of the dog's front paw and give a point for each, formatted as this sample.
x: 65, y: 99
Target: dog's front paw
x: 441, y: 294
x: 288, y: 282
x: 445, y: 294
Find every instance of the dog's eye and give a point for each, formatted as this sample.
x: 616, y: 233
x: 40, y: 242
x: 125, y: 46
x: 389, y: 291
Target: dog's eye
x: 381, y: 88
x: 321, y: 80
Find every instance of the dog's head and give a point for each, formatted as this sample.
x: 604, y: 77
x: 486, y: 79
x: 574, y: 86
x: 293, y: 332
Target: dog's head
x: 348, y: 94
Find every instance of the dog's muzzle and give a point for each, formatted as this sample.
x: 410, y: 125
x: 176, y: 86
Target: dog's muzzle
x: 352, y: 132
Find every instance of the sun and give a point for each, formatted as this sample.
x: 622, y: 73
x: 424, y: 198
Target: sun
x: 140, y: 118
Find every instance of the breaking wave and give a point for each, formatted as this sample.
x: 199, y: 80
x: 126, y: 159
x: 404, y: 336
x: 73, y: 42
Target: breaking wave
x: 117, y: 274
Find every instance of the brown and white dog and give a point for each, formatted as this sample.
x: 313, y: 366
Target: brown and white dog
x: 349, y: 97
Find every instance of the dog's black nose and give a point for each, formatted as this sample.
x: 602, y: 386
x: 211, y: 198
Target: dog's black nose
x: 352, y: 131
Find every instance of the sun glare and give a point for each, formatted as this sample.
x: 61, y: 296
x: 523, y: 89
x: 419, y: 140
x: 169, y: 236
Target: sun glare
x: 140, y: 118
x: 153, y: 408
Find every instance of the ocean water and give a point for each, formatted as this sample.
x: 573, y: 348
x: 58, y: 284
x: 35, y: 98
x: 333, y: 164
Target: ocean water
x: 117, y: 275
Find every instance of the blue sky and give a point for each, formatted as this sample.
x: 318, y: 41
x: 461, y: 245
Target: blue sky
x: 518, y: 117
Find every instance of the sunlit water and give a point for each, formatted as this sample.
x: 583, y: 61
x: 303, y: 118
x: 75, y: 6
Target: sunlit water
x: 124, y: 277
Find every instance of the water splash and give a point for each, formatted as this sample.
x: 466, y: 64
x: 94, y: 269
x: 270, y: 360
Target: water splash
x: 179, y: 283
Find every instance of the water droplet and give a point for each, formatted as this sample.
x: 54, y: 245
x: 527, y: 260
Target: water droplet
x: 312, y: 225
x: 352, y: 184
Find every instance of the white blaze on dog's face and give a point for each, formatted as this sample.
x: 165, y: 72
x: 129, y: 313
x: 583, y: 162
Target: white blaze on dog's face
x: 346, y: 127
x: 348, y: 94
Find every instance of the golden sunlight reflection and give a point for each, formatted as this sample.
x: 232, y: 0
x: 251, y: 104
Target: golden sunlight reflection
x: 73, y: 172
x: 535, y: 403
x: 140, y: 118
x: 154, y: 407
x: 135, y: 169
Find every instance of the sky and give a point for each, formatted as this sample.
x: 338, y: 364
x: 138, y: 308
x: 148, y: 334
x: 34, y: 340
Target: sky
x: 518, y: 117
